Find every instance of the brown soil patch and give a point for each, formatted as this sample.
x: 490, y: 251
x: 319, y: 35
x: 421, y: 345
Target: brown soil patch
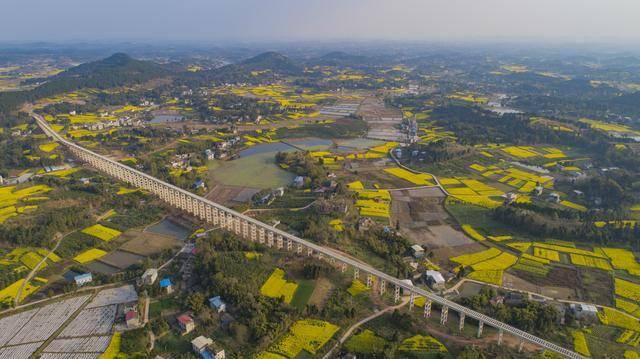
x: 321, y: 292
x: 147, y: 243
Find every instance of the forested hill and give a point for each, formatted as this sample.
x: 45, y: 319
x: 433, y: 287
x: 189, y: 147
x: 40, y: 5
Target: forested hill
x: 116, y: 70
x: 252, y: 70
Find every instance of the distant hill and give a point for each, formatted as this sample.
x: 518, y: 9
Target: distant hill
x: 272, y: 61
x: 339, y: 58
x: 116, y: 70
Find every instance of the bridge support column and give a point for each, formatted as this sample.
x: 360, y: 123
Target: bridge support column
x: 299, y: 249
x: 383, y: 285
x: 369, y: 280
x: 500, y: 334
x: 480, y: 326
x: 289, y: 245
x: 412, y: 298
x: 356, y: 273
x: 245, y: 229
x: 427, y: 308
x: 396, y: 294
x: 279, y: 242
x: 208, y: 214
x: 443, y: 315
x: 237, y: 225
x: 261, y: 235
x: 270, y: 239
x: 461, y: 325
x: 343, y: 267
x: 309, y: 252
x: 216, y: 216
x: 254, y: 232
x: 521, y: 346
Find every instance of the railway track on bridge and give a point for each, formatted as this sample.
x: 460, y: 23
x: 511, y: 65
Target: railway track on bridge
x: 250, y: 228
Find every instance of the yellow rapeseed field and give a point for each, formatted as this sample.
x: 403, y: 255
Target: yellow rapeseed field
x: 307, y: 334
x: 276, y: 286
x: 473, y: 258
x: 472, y: 233
x: 627, y: 289
x: 101, y: 232
x: 415, y: 178
x: 89, y: 255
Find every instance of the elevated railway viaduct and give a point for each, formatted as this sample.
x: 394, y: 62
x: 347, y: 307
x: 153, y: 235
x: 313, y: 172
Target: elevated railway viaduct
x: 251, y: 229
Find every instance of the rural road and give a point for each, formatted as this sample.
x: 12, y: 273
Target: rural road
x: 349, y: 331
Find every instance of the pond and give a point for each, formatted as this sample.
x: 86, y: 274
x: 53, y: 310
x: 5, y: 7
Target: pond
x: 170, y: 228
x: 256, y: 166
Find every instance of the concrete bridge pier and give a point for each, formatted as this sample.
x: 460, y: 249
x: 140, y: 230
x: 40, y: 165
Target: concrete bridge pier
x: 270, y: 239
x: 427, y: 308
x: 369, y: 280
x: 443, y: 315
x: 396, y: 294
x: 521, y: 346
x: 356, y: 273
x: 412, y: 298
x: 279, y: 241
x: 480, y: 326
x: 500, y: 334
x: 382, y: 285
x: 461, y: 325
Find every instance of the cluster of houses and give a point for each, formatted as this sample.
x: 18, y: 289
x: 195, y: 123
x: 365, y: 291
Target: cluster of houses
x: 221, y: 149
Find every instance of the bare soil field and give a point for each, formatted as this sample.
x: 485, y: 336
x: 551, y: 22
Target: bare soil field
x: 321, y: 292
x: 441, y: 255
x: 226, y: 194
x: 146, y: 243
x: 422, y: 218
x: 121, y: 259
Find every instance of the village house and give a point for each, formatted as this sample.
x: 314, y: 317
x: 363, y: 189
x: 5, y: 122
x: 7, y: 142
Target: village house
x: 584, y: 311
x: 165, y: 284
x: 131, y: 319
x: 417, y: 251
x: 82, y: 279
x: 186, y: 324
x: 149, y: 276
x: 434, y: 279
x: 217, y: 304
x: 206, y: 348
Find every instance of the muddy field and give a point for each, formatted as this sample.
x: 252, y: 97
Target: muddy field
x: 423, y: 220
x: 224, y: 194
x: 146, y: 244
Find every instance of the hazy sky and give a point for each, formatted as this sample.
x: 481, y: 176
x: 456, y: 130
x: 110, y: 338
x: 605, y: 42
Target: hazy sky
x: 284, y: 20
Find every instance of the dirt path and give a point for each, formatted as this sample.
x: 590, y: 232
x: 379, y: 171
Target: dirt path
x: 351, y: 329
x: 35, y: 269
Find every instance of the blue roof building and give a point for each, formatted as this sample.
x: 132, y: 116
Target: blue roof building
x: 165, y: 282
x: 217, y: 304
